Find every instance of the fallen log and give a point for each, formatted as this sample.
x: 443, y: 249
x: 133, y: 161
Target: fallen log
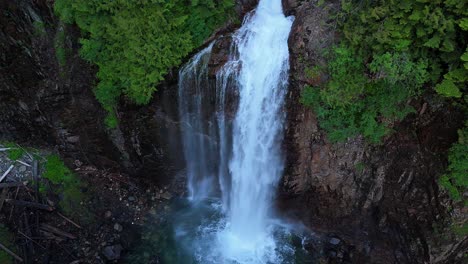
x: 50, y: 236
x: 13, y: 184
x: 3, y: 196
x: 24, y: 163
x: 30, y: 239
x: 10, y: 253
x: 6, y: 173
x: 57, y: 231
x: 30, y: 204
x: 69, y: 220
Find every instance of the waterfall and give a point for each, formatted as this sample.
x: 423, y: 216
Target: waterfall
x: 243, y: 152
x: 197, y: 132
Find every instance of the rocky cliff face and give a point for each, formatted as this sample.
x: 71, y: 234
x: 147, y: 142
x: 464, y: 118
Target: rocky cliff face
x: 383, y: 200
x: 46, y: 98
x: 42, y: 101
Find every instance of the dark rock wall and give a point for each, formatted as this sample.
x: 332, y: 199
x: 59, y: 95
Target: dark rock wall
x: 382, y: 199
x: 42, y: 102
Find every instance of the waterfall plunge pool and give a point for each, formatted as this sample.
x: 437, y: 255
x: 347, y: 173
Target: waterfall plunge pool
x: 187, y: 233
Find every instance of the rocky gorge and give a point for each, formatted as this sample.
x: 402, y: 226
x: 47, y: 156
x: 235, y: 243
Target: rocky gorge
x: 365, y: 203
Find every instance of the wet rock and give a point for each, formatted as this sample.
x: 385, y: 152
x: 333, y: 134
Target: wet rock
x: 78, y: 163
x: 73, y: 139
x: 22, y: 169
x: 118, y: 227
x: 388, y: 194
x: 334, y: 241
x: 108, y: 214
x: 131, y: 199
x: 112, y: 252
x: 166, y: 196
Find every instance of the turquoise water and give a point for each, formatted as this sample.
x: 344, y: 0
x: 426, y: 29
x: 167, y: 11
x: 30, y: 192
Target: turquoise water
x: 187, y: 234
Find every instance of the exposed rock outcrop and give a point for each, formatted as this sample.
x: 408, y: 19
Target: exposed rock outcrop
x: 49, y: 101
x: 41, y: 101
x: 382, y: 199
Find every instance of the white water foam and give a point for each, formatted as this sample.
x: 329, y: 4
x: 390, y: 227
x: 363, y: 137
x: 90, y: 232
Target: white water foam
x: 248, y: 158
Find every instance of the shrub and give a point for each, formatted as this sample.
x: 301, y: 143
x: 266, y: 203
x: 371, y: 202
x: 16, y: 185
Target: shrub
x: 357, y: 101
x: 15, y: 152
x: 455, y: 181
x: 135, y: 43
x: 67, y: 184
x: 389, y: 52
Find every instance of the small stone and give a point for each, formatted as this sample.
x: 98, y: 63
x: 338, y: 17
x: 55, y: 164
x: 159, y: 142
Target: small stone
x: 118, y: 227
x: 131, y: 198
x: 334, y: 241
x: 78, y: 163
x: 107, y: 214
x: 22, y: 169
x: 73, y: 139
x: 166, y: 196
x: 112, y: 252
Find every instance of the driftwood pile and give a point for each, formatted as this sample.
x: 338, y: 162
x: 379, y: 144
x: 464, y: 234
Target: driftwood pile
x: 31, y: 217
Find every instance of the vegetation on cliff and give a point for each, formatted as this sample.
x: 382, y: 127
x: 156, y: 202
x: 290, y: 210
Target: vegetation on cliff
x: 390, y: 52
x: 135, y: 43
x: 456, y: 178
x: 67, y: 184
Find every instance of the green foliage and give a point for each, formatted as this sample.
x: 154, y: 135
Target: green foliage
x: 461, y: 230
x: 68, y: 185
x: 389, y: 52
x: 39, y: 28
x: 15, y: 152
x: 353, y: 102
x: 314, y: 72
x: 360, y: 167
x: 111, y: 120
x: 59, y: 45
x: 135, y: 43
x: 6, y: 238
x: 455, y: 181
x: 56, y: 171
x: 432, y: 30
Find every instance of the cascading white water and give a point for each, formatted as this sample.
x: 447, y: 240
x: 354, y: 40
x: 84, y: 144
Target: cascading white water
x: 256, y: 164
x: 246, y: 156
x: 197, y: 138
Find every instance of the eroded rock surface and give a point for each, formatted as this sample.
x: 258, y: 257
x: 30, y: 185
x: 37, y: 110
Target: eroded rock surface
x: 381, y: 199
